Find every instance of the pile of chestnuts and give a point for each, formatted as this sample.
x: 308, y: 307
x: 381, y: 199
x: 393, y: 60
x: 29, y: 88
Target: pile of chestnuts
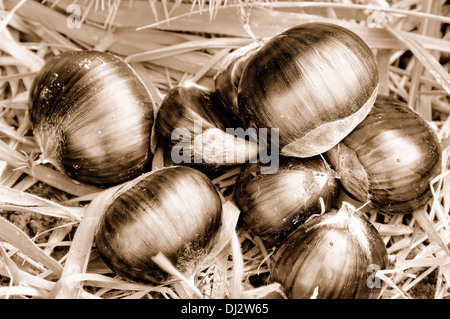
x: 312, y: 88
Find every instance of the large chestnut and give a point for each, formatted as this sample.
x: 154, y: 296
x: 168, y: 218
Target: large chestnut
x: 175, y: 211
x: 332, y: 256
x: 390, y: 158
x: 92, y: 117
x: 314, y: 82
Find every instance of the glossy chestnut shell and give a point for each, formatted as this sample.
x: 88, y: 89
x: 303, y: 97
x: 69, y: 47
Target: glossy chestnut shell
x: 175, y: 211
x: 331, y: 256
x: 226, y: 82
x: 272, y: 205
x: 92, y: 116
x: 390, y: 158
x: 193, y: 128
x: 314, y: 82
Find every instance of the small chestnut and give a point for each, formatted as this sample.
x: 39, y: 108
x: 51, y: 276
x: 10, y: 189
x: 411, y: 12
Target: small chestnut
x: 226, y: 81
x: 195, y: 128
x: 272, y: 205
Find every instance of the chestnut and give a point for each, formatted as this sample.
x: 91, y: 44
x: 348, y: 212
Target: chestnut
x: 314, y: 82
x: 197, y: 130
x: 92, y: 116
x: 273, y: 205
x: 226, y: 81
x: 175, y: 211
x: 332, y: 256
x: 390, y: 158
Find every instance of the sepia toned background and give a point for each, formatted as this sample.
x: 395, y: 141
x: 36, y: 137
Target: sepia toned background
x: 47, y: 251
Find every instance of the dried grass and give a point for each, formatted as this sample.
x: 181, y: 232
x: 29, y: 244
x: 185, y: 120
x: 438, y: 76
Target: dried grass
x: 172, y: 42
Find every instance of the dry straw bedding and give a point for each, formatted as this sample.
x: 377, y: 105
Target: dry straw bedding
x: 46, y: 242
